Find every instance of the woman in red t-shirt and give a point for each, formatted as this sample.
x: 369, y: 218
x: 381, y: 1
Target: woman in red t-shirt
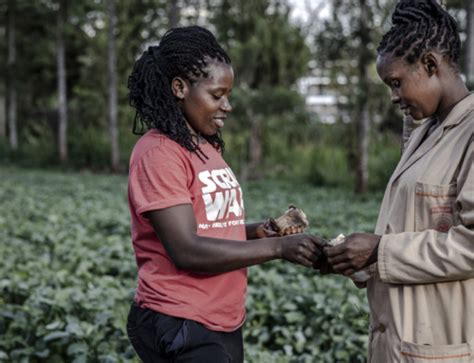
x: 188, y: 228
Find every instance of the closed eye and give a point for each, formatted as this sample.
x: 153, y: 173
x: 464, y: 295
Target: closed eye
x: 216, y: 97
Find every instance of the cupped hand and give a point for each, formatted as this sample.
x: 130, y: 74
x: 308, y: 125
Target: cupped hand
x: 264, y: 230
x: 358, y: 251
x: 304, y: 249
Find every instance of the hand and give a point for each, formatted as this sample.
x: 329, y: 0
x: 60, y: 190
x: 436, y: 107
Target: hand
x: 323, y: 265
x: 265, y: 230
x: 302, y: 248
x: 269, y: 229
x: 358, y: 251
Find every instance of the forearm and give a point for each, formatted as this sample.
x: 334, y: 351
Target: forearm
x: 427, y: 257
x: 192, y: 252
x: 211, y: 255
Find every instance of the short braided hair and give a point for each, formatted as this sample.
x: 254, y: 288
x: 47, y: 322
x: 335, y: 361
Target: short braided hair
x: 419, y: 26
x: 182, y: 52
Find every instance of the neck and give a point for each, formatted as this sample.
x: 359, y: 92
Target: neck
x: 196, y: 136
x: 453, y: 95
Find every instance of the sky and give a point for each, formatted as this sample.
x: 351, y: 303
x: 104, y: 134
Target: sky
x: 300, y: 9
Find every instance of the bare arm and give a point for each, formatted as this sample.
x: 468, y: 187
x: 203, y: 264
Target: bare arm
x: 177, y: 230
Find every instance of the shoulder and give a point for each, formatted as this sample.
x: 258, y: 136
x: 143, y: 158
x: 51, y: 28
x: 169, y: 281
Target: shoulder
x: 463, y: 113
x: 156, y: 146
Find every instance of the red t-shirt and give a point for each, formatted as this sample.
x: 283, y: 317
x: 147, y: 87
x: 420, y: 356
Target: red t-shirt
x: 164, y: 174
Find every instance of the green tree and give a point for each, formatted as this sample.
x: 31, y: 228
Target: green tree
x: 345, y: 49
x: 269, y: 54
x: 12, y: 70
x: 3, y: 115
x: 62, y: 92
x: 112, y: 83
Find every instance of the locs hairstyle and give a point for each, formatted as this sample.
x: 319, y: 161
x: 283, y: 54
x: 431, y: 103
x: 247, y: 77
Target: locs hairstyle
x: 419, y: 26
x: 182, y: 52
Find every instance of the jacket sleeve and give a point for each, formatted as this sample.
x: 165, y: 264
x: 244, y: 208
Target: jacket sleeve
x: 431, y: 256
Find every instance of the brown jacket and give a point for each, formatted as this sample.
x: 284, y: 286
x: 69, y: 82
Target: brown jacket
x: 422, y: 296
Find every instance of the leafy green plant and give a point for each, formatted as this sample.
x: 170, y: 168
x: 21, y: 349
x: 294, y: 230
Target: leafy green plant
x: 68, y: 273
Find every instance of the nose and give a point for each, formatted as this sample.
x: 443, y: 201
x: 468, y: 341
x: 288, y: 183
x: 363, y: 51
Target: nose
x: 226, y: 106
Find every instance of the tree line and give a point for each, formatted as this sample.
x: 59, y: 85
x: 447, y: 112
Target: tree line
x: 63, y: 93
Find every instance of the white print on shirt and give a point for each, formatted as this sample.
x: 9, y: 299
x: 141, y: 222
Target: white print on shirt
x: 223, y: 224
x: 220, y: 204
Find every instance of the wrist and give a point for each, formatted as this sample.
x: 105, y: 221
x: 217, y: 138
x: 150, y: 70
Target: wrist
x: 374, y: 255
x: 278, y: 247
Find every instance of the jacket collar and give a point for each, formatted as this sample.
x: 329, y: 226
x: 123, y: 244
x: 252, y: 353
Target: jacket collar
x: 458, y: 113
x: 415, y: 151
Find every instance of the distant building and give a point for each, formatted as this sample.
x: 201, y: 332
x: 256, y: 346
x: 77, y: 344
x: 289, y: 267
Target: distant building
x: 320, y: 99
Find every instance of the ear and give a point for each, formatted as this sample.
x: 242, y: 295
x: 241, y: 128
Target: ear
x: 430, y: 63
x: 179, y: 87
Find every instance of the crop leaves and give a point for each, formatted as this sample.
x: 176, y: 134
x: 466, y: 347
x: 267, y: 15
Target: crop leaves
x: 68, y: 273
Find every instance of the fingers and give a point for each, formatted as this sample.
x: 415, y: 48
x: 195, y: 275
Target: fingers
x: 342, y: 267
x: 305, y: 262
x: 308, y: 251
x: 316, y: 244
x: 318, y: 241
x: 337, y: 259
x: 319, y: 244
x: 323, y: 266
x: 332, y: 251
x: 304, y: 251
x: 269, y: 233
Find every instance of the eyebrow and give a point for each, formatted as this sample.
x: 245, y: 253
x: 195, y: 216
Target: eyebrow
x: 218, y: 88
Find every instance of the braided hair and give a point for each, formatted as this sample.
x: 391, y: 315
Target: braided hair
x: 182, y: 52
x: 419, y: 26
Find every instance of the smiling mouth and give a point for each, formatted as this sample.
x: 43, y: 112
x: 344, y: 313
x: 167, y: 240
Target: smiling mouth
x: 219, y: 122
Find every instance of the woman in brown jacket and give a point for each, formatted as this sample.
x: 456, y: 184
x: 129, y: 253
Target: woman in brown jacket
x: 421, y: 294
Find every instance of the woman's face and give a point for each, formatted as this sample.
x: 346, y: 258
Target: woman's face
x: 416, y: 88
x: 205, y: 103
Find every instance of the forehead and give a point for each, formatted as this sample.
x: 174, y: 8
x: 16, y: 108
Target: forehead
x: 389, y: 65
x: 217, y: 72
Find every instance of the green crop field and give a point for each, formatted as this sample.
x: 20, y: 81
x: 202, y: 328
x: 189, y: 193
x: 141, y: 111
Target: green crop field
x: 67, y: 273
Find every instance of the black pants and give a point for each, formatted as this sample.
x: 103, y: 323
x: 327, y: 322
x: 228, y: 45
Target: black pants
x: 162, y: 338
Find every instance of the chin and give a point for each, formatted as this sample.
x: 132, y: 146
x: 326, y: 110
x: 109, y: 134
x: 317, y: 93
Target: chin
x: 211, y: 133
x: 418, y: 116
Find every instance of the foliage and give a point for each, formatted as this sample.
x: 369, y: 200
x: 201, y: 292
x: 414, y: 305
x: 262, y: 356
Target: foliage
x: 269, y: 54
x: 328, y: 166
x: 267, y: 50
x: 385, y: 151
x: 68, y: 273
x: 284, y: 125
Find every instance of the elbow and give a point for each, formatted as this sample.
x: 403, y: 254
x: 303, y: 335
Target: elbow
x: 180, y: 261
x: 186, y: 257
x: 185, y: 261
x: 189, y: 263
x: 182, y: 264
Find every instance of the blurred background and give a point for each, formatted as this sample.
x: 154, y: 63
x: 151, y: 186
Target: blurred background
x: 312, y: 125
